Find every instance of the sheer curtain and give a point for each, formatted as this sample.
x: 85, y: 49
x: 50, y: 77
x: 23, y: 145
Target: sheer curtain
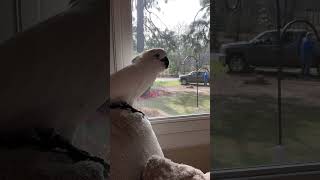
x: 120, y: 34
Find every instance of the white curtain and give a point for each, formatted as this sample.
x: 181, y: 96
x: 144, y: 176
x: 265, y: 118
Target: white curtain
x: 120, y: 34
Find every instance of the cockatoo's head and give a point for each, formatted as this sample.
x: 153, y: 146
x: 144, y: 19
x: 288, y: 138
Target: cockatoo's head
x: 155, y: 58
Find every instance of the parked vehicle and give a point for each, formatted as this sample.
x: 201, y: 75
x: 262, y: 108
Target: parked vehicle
x: 261, y: 51
x: 192, y: 77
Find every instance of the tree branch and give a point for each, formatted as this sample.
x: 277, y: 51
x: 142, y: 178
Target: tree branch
x: 153, y: 33
x: 194, y: 19
x: 155, y: 15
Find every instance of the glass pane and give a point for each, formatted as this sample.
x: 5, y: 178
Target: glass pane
x: 184, y: 35
x: 301, y: 107
x: 247, y: 129
x: 244, y: 100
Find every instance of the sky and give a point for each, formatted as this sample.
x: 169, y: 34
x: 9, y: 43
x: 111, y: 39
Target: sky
x: 175, y: 12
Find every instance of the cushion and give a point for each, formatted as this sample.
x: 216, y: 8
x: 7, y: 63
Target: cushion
x: 133, y: 142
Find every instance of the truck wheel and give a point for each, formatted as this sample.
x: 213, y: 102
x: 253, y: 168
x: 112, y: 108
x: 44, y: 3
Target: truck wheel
x: 183, y: 82
x: 237, y: 64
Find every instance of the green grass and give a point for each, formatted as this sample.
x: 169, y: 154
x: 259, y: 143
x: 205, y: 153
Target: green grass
x: 180, y: 104
x: 244, y: 131
x: 160, y: 83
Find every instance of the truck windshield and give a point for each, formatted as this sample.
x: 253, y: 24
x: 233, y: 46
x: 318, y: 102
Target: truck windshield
x: 266, y: 36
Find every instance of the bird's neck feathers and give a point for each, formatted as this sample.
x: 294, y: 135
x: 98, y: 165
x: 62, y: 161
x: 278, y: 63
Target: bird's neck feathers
x: 152, y: 67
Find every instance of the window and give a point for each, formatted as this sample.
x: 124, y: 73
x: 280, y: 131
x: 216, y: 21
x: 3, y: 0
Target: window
x: 269, y: 37
x: 182, y: 29
x: 172, y: 132
x: 248, y: 130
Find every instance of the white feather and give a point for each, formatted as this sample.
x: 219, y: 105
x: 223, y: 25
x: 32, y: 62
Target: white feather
x: 130, y: 82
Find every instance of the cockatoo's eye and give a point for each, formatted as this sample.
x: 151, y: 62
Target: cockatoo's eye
x: 157, y: 55
x: 165, y: 60
x: 135, y: 60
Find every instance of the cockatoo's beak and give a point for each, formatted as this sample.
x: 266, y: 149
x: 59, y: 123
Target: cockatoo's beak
x: 165, y: 60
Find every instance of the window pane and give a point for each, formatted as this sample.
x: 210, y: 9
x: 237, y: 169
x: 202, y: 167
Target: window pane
x: 301, y: 108
x: 184, y: 35
x: 244, y: 100
x: 247, y: 129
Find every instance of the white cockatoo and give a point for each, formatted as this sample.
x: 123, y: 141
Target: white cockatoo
x: 132, y: 138
x: 132, y: 81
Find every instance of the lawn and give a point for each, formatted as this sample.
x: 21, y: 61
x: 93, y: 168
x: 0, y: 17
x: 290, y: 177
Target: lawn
x: 181, y: 103
x: 170, y: 98
x: 171, y: 83
x: 244, y: 131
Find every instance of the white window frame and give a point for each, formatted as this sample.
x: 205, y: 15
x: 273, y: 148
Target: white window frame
x: 182, y: 131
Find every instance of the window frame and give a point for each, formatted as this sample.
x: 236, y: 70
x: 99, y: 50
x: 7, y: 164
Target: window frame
x: 182, y: 131
x: 303, y: 170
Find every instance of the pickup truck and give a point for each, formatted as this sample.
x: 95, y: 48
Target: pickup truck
x: 261, y: 51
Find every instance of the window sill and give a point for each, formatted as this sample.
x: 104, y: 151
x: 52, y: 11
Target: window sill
x: 182, y: 131
x: 283, y: 172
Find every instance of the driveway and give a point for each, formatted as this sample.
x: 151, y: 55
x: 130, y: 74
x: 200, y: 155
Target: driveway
x: 247, y: 84
x: 168, y: 79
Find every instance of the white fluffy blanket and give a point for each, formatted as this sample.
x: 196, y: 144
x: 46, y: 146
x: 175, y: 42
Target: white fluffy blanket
x: 133, y: 142
x: 159, y: 168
